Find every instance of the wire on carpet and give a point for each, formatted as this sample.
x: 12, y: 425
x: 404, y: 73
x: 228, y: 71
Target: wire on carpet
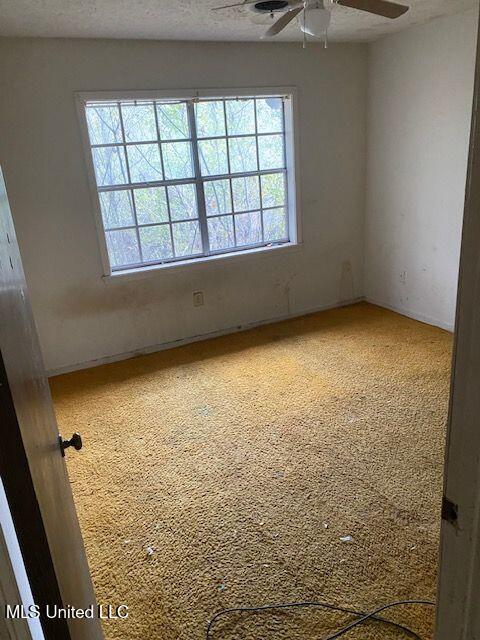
x: 361, y: 615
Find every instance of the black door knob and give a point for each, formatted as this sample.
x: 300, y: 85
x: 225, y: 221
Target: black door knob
x: 75, y: 442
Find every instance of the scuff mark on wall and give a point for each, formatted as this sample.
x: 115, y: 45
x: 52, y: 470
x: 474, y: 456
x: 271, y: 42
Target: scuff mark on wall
x: 80, y: 301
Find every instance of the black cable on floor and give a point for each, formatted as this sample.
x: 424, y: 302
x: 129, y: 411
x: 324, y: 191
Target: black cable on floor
x: 363, y: 617
x: 372, y: 615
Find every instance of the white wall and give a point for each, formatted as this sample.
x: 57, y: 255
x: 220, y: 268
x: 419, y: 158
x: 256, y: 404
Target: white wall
x: 81, y: 319
x: 419, y: 111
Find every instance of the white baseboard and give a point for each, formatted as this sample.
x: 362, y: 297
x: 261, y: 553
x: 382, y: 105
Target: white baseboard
x: 404, y: 311
x: 190, y: 339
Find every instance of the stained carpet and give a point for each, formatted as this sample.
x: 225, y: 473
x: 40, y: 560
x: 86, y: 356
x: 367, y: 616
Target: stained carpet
x: 226, y: 472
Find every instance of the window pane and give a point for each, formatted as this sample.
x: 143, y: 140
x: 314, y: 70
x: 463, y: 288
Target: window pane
x: 177, y: 160
x: 139, y: 122
x: 144, y: 162
x: 220, y: 233
x: 123, y: 247
x: 246, y: 193
x: 110, y: 166
x: 269, y: 115
x: 187, y: 238
x: 117, y: 209
x: 240, y: 116
x: 104, y: 124
x: 151, y: 205
x: 173, y: 121
x: 217, y: 197
x: 243, y: 154
x: 210, y: 118
x: 275, y: 224
x: 270, y: 150
x: 273, y: 190
x: 156, y: 243
x: 213, y: 157
x: 183, y: 201
x: 248, y: 228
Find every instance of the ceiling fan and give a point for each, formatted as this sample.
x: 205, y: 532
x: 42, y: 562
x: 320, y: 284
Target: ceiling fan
x: 315, y: 15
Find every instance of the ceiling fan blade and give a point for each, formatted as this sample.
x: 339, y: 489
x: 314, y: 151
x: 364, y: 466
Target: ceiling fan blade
x: 379, y: 7
x: 282, y: 22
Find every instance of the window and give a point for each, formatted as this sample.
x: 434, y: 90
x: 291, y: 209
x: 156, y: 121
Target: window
x: 179, y: 179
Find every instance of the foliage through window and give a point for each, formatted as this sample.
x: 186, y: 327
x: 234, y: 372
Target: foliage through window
x: 181, y: 179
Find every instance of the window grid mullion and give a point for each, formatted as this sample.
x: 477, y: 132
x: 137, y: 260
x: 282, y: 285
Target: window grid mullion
x: 285, y: 181
x: 258, y: 167
x: 124, y: 228
x: 147, y: 225
x: 227, y: 142
x: 227, y: 138
x: 229, y: 214
x: 201, y: 208
x: 163, y: 183
x: 130, y: 191
x: 139, y: 143
x: 233, y: 212
x: 167, y: 197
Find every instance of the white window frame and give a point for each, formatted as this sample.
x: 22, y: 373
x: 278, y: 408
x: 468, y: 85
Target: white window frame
x: 291, y: 157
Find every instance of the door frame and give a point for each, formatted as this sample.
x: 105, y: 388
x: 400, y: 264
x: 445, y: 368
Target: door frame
x: 458, y: 615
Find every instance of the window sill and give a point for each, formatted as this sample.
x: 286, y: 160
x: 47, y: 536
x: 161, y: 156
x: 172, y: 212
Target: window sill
x: 198, y: 263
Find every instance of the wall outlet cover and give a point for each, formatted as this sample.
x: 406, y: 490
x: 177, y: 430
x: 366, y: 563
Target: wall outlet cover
x: 198, y: 299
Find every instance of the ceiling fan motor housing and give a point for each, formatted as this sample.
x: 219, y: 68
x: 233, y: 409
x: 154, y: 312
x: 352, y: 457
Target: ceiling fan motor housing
x: 270, y: 6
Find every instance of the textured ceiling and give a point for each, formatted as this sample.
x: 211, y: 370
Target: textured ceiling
x: 192, y: 19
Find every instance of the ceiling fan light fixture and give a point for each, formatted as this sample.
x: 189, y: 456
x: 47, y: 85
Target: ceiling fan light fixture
x: 315, y: 21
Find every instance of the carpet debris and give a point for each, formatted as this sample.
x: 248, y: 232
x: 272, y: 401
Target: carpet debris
x: 346, y: 539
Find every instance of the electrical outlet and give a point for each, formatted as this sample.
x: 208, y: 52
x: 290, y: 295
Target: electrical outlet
x: 403, y: 277
x: 198, y: 299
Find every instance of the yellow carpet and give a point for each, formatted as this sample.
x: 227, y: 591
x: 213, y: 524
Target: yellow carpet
x: 241, y: 462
